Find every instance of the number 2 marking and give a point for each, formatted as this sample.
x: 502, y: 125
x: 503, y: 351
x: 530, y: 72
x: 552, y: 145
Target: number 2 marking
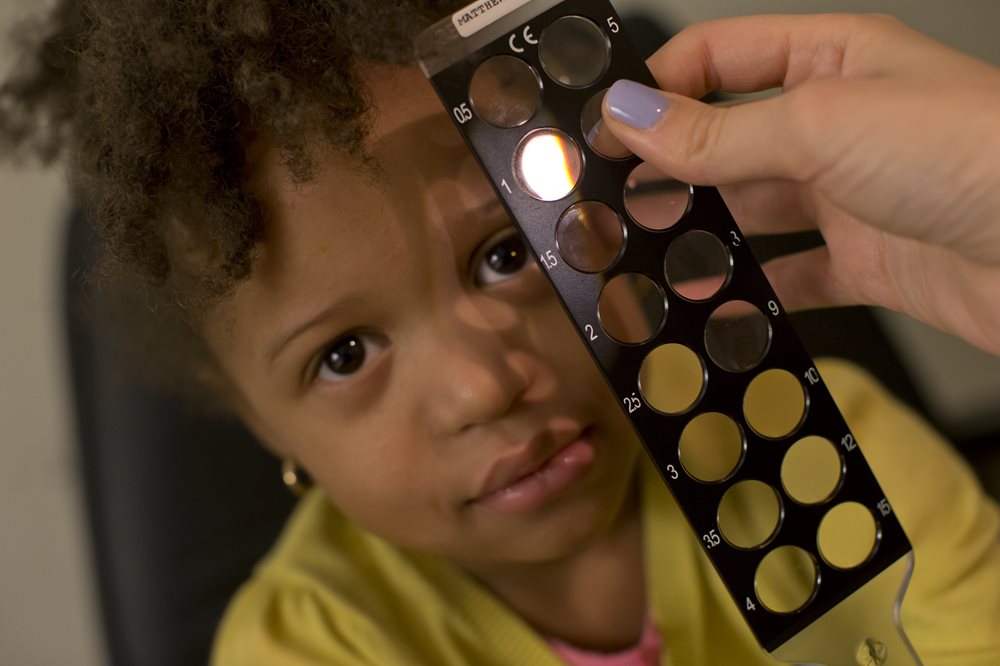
x: 591, y: 333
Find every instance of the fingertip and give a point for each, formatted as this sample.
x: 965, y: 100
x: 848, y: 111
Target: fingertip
x: 636, y: 105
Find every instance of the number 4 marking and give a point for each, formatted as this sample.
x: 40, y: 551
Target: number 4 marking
x: 751, y: 606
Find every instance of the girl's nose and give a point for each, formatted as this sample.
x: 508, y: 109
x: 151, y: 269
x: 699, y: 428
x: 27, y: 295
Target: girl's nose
x: 477, y: 375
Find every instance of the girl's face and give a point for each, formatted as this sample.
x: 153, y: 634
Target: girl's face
x: 397, y: 341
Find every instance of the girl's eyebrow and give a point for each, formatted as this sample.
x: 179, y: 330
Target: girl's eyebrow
x: 331, y: 312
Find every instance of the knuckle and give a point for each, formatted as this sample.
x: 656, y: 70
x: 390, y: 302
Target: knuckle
x: 811, y: 110
x: 874, y: 24
x: 703, y: 137
x: 883, y: 21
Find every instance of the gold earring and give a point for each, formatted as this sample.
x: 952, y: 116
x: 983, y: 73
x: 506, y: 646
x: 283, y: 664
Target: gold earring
x: 295, y: 479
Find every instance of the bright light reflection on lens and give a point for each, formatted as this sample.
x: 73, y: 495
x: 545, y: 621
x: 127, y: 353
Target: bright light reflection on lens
x: 548, y: 164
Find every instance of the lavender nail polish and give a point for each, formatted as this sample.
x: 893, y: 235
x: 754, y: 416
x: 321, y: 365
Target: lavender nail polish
x: 636, y: 105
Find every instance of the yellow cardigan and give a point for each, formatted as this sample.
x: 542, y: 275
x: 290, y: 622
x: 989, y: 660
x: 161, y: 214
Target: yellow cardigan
x: 330, y: 593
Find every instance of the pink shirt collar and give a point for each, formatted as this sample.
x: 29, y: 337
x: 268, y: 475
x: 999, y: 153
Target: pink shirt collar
x: 646, y: 653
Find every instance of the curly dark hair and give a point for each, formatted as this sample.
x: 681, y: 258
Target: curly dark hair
x: 153, y: 102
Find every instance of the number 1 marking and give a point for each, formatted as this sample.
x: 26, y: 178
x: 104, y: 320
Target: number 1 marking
x: 504, y: 185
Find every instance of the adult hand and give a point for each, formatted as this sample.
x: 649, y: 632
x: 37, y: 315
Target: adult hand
x: 884, y: 140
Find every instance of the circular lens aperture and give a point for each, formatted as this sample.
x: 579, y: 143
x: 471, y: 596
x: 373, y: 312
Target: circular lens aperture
x: 548, y: 164
x: 574, y: 52
x: 655, y: 200
x: 590, y: 236
x: 505, y: 91
x: 632, y: 308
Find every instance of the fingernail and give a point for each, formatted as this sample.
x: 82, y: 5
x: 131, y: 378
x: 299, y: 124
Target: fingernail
x: 636, y: 105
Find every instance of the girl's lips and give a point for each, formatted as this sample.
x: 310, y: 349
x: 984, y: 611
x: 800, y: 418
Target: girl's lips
x: 556, y: 474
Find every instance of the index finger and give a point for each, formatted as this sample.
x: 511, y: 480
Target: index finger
x: 754, y: 53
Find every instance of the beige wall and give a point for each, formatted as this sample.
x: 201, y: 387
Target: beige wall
x: 46, y: 612
x: 46, y: 606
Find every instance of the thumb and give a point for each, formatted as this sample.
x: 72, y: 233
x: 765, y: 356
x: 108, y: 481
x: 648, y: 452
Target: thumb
x: 702, y: 144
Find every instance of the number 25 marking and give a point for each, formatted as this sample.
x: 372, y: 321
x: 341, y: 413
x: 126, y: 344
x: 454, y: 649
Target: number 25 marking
x: 632, y: 403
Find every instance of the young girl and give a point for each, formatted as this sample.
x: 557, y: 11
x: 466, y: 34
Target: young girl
x: 286, y: 175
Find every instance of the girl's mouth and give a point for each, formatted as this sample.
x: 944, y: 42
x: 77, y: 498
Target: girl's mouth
x: 528, y: 491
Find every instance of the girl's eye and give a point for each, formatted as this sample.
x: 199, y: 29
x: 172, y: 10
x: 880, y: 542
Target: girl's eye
x: 348, y: 355
x: 503, y: 256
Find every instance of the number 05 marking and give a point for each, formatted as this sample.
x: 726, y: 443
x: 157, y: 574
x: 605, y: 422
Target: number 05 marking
x: 463, y: 113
